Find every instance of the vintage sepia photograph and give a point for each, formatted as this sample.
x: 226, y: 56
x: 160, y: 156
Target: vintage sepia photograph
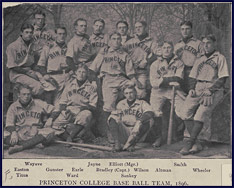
x: 116, y: 81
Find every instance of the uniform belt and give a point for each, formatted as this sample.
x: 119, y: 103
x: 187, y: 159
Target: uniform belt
x: 121, y: 74
x: 59, y: 72
x: 204, y: 81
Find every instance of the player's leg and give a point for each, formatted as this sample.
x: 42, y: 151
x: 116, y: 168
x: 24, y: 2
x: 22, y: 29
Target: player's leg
x: 81, y: 125
x: 157, y: 100
x: 141, y: 92
x: 37, y: 88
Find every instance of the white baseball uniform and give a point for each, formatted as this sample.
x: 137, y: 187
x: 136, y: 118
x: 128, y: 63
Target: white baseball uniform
x: 158, y: 70
x: 53, y: 58
x: 41, y: 37
x: 206, y: 71
x: 140, y: 51
x: 126, y: 116
x: 75, y: 97
x: 80, y: 49
x: 116, y: 67
x: 98, y: 42
x: 21, y: 55
x: 188, y: 53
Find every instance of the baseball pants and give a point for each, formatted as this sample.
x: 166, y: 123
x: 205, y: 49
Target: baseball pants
x: 158, y: 98
x: 111, y: 89
x: 36, y: 86
x: 191, y: 107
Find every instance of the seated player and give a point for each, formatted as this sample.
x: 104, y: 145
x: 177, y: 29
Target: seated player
x: 76, y: 106
x: 164, y: 72
x: 24, y: 117
x: 210, y: 72
x: 131, y: 120
x: 20, y: 61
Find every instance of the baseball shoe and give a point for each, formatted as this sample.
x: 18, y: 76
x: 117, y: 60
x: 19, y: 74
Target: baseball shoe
x: 157, y: 143
x: 15, y: 149
x: 187, y: 147
x: 197, y: 147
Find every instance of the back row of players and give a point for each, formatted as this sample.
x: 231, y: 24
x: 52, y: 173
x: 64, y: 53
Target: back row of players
x: 88, y: 71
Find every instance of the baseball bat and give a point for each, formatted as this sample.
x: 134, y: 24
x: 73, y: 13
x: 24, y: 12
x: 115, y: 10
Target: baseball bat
x: 170, y: 127
x: 91, y: 146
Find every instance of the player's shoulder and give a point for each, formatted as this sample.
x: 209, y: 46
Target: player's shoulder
x: 39, y: 102
x: 14, y: 44
x: 122, y: 103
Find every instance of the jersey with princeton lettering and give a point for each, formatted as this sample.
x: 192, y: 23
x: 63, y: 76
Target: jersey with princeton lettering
x: 53, y: 57
x: 19, y: 55
x: 17, y: 115
x: 79, y: 96
x: 42, y: 37
x: 98, y: 42
x: 113, y: 62
x: 80, y: 49
x: 188, y: 52
x: 211, y: 68
x: 161, y: 68
x: 139, y: 51
x: 130, y: 114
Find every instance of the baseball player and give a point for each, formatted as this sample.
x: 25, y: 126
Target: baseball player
x: 42, y: 35
x: 114, y: 66
x: 76, y: 106
x: 165, y: 71
x: 209, y: 72
x: 20, y: 61
x: 188, y: 49
x: 79, y: 47
x: 52, y: 62
x: 122, y: 28
x: 142, y: 50
x: 98, y: 39
x: 24, y: 118
x: 131, y: 120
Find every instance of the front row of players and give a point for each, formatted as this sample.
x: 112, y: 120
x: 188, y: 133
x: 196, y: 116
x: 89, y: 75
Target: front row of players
x: 131, y: 120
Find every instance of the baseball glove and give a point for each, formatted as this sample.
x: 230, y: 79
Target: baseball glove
x: 206, y: 100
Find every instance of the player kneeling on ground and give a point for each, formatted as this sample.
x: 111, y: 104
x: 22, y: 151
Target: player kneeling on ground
x: 131, y: 120
x: 77, y: 103
x: 210, y: 72
x: 24, y: 121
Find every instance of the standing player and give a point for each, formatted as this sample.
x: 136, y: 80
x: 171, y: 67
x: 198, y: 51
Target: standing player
x: 187, y: 49
x: 23, y: 118
x: 113, y: 64
x: 131, y: 120
x: 79, y: 48
x: 20, y: 61
x: 122, y: 28
x: 210, y: 72
x: 98, y: 39
x: 164, y: 71
x: 142, y: 50
x: 41, y: 35
x: 77, y: 104
x: 52, y: 62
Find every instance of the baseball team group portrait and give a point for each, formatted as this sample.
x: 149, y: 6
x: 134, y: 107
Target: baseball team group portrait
x: 117, y: 80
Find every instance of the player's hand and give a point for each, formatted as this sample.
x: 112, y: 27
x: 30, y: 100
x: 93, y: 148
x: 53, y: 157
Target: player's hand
x: 206, y: 92
x: 14, y: 138
x: 192, y: 93
x: 49, y: 122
